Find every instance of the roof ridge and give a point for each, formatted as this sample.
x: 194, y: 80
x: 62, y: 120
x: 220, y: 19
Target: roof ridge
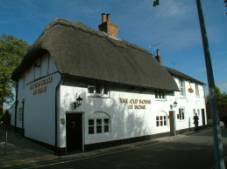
x: 84, y: 28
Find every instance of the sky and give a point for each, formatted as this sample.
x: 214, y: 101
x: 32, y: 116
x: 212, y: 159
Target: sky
x: 173, y: 27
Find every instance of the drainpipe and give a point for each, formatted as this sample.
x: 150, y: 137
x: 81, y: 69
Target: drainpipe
x: 57, y: 93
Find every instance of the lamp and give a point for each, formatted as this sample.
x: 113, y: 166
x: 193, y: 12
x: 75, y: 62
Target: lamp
x: 77, y: 103
x: 174, y: 105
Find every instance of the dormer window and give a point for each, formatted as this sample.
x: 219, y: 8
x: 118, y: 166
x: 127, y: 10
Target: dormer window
x: 160, y: 95
x: 91, y: 89
x: 98, y: 91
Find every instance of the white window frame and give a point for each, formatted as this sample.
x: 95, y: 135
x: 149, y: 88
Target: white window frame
x: 182, y: 87
x: 161, y: 121
x: 197, y: 90
x: 102, y: 92
x: 102, y: 125
x: 181, y: 114
x: 159, y: 95
x: 91, y: 125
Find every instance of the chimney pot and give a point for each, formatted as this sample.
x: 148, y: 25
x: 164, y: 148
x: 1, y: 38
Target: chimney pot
x: 158, y: 56
x: 108, y: 17
x: 108, y: 27
x: 103, y: 17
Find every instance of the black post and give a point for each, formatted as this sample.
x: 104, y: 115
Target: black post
x: 218, y: 145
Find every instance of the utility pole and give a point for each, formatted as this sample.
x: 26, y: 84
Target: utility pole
x: 218, y: 145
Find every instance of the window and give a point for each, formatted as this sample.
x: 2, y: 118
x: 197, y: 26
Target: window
x: 196, y: 90
x: 194, y: 111
x: 106, y: 125
x: 91, y: 89
x: 161, y: 121
x: 106, y: 91
x: 91, y: 126
x: 98, y: 91
x: 198, y: 112
x: 182, y: 87
x: 99, y: 123
x: 159, y: 95
x: 165, y: 121
x: 181, y: 114
x: 157, y: 121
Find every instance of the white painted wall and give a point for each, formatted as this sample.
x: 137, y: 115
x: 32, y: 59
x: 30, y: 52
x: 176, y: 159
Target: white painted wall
x: 190, y: 101
x: 39, y: 109
x: 126, y: 123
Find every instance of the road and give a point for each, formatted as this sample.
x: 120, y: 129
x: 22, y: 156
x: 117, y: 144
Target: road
x: 192, y: 151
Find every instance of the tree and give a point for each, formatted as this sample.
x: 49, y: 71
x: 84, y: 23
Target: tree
x: 221, y: 96
x: 12, y: 51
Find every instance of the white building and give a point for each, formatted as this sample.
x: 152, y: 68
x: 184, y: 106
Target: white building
x: 78, y: 89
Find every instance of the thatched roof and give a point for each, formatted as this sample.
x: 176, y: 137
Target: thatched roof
x: 83, y: 52
x: 181, y: 75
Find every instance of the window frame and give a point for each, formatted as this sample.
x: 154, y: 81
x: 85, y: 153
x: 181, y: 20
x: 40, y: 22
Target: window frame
x: 197, y: 90
x: 91, y: 125
x: 182, y: 88
x: 98, y: 91
x: 102, y: 125
x: 181, y: 114
x: 160, y: 95
x: 161, y: 121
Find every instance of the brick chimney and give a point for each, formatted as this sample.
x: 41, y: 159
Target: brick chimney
x: 107, y: 26
x: 158, y: 56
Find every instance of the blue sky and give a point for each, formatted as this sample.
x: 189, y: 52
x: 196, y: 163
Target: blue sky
x: 173, y: 27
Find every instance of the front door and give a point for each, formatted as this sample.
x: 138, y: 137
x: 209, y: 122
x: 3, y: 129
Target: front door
x: 203, y: 117
x: 74, y: 132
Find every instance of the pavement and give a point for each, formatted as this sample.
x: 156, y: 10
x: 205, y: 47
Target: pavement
x: 20, y: 152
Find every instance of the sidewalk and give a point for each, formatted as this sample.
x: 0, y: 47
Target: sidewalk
x: 20, y: 151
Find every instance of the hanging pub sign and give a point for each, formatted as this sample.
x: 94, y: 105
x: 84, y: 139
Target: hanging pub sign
x: 135, y: 103
x: 190, y: 90
x: 40, y: 86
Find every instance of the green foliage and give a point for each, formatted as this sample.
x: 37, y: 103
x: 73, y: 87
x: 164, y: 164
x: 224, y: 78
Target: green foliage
x: 221, y: 97
x: 12, y: 51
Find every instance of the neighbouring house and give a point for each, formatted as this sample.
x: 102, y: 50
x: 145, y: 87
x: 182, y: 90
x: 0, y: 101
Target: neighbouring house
x: 79, y: 89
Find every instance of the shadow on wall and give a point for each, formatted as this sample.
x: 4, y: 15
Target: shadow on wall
x: 124, y: 123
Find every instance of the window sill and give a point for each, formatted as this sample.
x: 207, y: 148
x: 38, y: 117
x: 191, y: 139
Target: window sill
x: 162, y: 100
x: 179, y: 120
x: 99, y: 95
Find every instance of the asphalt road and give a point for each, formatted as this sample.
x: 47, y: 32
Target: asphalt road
x: 183, y: 152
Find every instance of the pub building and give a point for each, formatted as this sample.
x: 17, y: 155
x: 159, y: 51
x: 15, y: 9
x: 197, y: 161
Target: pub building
x: 79, y: 89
